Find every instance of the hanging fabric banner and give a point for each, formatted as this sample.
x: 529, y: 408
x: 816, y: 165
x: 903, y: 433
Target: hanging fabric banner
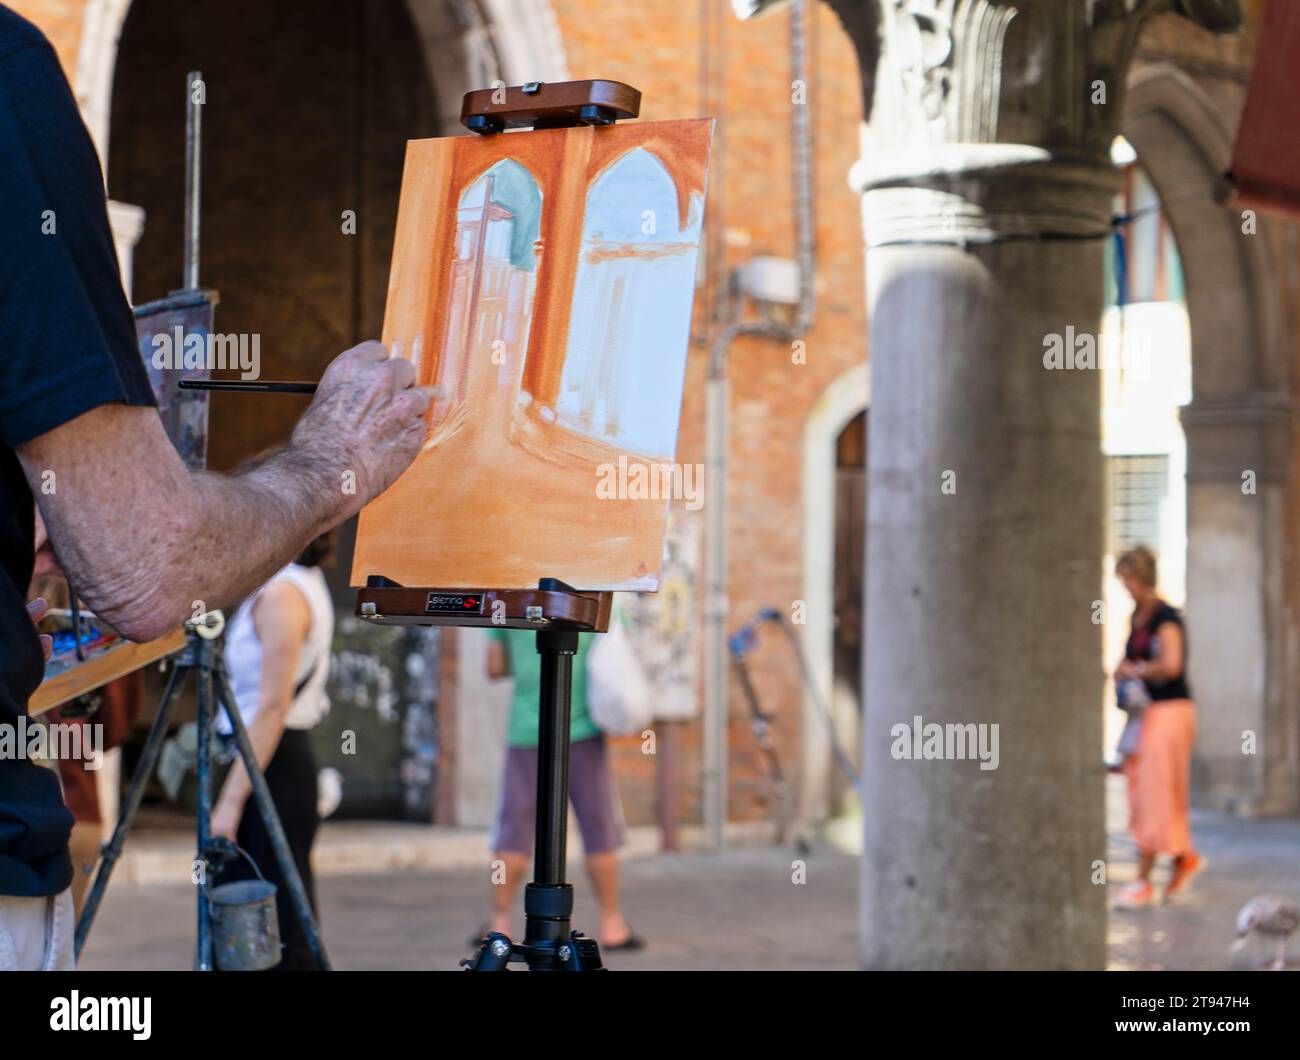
x: 1266, y: 162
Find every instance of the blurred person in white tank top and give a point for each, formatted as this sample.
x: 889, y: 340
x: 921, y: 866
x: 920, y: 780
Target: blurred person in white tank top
x: 277, y: 653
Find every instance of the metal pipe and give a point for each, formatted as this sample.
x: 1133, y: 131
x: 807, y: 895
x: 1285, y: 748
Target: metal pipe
x: 714, y: 793
x: 193, y: 174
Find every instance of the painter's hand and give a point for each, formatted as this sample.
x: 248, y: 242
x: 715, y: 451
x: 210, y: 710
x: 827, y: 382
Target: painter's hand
x: 367, y: 422
x: 37, y: 609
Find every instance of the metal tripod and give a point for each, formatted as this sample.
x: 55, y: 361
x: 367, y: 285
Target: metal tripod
x: 202, y: 655
x: 548, y: 943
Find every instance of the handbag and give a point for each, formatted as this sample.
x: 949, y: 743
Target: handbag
x: 618, y: 697
x: 1133, y: 698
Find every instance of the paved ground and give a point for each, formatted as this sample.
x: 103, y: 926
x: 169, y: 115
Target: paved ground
x: 1246, y: 858
x: 737, y: 910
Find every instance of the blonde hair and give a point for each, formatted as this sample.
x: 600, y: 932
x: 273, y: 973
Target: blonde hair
x: 1139, y: 562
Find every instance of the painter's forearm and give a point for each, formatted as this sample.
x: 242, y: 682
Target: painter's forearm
x: 145, y: 541
x: 218, y: 538
x: 252, y: 523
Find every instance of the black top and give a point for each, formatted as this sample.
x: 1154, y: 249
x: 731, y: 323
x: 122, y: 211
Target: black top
x: 67, y: 345
x: 1143, y: 643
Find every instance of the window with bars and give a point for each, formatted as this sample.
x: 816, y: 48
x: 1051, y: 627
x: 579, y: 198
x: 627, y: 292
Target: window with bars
x: 1139, y: 490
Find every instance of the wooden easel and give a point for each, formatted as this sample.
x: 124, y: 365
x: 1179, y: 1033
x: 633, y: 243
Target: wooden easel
x: 554, y: 610
x: 553, y: 604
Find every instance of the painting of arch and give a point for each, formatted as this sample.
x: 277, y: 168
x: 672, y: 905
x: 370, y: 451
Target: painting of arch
x: 544, y: 283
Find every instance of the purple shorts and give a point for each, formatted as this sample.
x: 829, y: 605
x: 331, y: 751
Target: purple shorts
x: 591, y: 791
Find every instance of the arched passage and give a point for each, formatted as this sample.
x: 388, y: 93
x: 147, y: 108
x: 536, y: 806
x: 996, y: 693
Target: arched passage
x: 469, y: 44
x: 305, y: 123
x: 1239, y: 440
x: 846, y: 398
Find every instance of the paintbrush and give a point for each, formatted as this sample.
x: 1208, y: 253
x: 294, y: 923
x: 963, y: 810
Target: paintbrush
x: 256, y: 386
x: 265, y: 386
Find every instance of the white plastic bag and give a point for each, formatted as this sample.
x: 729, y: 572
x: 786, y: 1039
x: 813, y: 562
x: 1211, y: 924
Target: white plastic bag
x: 618, y: 698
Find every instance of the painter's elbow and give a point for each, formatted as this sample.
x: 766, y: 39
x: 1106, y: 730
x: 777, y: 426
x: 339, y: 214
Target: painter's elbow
x: 143, y: 596
x: 140, y: 616
x: 142, y: 626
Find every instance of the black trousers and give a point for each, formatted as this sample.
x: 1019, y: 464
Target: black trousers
x: 291, y: 776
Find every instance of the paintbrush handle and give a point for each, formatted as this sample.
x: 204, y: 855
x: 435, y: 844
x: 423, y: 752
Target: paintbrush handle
x: 256, y: 386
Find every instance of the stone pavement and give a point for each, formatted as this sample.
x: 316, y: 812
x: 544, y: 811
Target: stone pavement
x: 1245, y: 859
x: 737, y: 910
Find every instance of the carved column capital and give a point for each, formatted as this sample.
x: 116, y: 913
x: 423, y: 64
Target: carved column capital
x: 961, y: 90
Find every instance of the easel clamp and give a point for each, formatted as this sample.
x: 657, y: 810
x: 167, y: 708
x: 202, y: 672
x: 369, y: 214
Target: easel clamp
x: 537, y: 105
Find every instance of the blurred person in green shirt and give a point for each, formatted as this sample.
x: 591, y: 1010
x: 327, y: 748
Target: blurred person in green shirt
x: 513, y: 653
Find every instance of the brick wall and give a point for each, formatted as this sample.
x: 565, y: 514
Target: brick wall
x: 61, y: 22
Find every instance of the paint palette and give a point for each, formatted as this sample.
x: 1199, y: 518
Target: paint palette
x: 106, y: 656
x: 94, y: 638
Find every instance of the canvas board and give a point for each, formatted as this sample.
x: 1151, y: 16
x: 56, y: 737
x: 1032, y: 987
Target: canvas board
x: 180, y: 321
x: 545, y: 282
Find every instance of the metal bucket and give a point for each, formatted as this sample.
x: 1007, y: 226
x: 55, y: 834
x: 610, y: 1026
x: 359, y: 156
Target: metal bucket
x: 245, y: 928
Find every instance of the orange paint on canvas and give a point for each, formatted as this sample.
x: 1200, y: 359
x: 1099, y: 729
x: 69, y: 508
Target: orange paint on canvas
x: 544, y: 281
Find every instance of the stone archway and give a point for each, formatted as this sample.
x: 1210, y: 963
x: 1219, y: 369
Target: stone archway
x: 469, y: 47
x: 845, y: 398
x: 515, y: 40
x: 1239, y: 421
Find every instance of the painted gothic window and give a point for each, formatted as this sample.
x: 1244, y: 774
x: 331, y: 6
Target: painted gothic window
x: 490, y: 304
x: 630, y: 320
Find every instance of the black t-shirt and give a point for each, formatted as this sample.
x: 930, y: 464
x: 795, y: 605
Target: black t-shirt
x: 1143, y: 643
x: 67, y: 345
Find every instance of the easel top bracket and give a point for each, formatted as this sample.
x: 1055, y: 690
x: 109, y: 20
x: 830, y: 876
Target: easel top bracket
x: 558, y: 105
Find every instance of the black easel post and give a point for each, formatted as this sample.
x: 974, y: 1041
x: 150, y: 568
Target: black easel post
x: 548, y: 943
x: 548, y: 900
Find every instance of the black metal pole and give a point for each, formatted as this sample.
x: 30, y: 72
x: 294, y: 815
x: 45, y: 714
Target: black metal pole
x: 548, y: 900
x: 126, y: 816
x: 548, y: 943
x: 557, y: 649
x: 203, y: 945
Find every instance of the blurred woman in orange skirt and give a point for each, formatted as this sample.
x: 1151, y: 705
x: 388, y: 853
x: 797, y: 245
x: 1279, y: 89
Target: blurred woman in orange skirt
x: 1158, y: 771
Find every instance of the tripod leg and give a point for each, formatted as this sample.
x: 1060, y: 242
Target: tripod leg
x: 203, y: 950
x: 271, y: 820
x: 126, y: 816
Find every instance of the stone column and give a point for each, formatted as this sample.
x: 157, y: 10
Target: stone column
x: 1239, y: 450
x: 987, y: 192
